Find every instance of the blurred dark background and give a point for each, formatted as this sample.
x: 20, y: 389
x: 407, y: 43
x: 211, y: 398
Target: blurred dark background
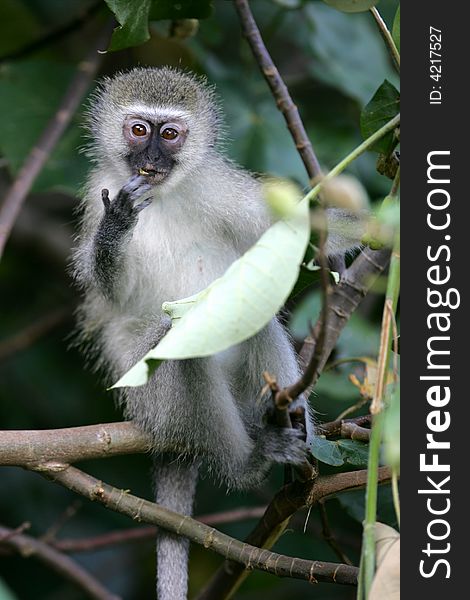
x: 333, y: 63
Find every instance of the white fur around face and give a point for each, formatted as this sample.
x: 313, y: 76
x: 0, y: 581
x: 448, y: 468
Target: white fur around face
x: 188, y: 236
x: 158, y: 114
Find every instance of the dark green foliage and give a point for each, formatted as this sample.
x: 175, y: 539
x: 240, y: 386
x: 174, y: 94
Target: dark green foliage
x: 384, y: 105
x: 134, y: 15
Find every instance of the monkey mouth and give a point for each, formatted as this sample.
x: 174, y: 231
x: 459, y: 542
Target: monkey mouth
x: 153, y: 175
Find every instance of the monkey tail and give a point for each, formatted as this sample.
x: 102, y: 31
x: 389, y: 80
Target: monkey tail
x: 175, y: 483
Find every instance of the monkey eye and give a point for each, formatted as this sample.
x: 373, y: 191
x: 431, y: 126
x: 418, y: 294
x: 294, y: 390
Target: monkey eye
x: 168, y: 132
x: 139, y: 129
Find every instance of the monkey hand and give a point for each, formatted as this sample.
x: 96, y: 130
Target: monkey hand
x: 120, y: 216
x: 123, y: 211
x: 284, y: 445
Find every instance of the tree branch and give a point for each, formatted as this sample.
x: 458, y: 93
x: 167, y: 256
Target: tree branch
x: 49, y: 451
x: 30, y: 448
x: 28, y: 546
x: 278, y: 88
x: 345, y: 298
x: 355, y: 432
x: 141, y: 533
x: 38, y: 156
x: 284, y: 505
x: 31, y: 333
x: 333, y: 428
x: 329, y: 537
x: 385, y: 33
x: 143, y: 510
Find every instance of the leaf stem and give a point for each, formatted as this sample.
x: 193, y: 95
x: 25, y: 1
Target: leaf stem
x: 387, y: 36
x: 391, y: 298
x: 366, y: 144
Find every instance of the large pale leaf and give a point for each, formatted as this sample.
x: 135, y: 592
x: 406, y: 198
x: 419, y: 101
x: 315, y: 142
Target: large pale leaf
x: 237, y: 305
x: 386, y: 583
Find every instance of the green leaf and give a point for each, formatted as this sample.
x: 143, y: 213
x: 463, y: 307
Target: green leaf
x: 396, y: 29
x: 384, y: 105
x: 326, y: 451
x: 354, y: 452
x: 237, y: 305
x: 133, y: 17
x: 351, y: 6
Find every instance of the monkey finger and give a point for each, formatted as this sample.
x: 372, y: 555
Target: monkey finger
x: 134, y: 183
x: 105, y: 198
x: 143, y: 204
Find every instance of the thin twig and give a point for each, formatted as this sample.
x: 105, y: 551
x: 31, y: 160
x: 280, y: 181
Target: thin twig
x: 315, y: 357
x: 282, y: 507
x: 355, y: 432
x: 125, y: 536
x: 32, y: 333
x: 52, y: 531
x: 387, y: 38
x: 304, y: 146
x: 344, y: 299
x: 28, y: 546
x: 333, y: 428
x: 278, y: 88
x: 329, y: 537
x: 352, y: 409
x: 10, y: 533
x: 38, y: 156
x: 248, y: 555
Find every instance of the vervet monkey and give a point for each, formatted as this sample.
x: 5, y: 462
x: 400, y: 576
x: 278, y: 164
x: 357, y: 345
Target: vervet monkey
x: 177, y: 215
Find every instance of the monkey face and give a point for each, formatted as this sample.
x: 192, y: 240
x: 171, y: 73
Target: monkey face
x: 153, y: 146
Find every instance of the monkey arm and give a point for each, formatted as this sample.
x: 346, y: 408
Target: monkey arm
x: 115, y: 230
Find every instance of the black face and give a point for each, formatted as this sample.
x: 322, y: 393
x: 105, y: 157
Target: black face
x: 153, y: 146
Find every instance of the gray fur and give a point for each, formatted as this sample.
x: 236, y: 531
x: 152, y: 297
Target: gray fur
x: 202, y: 217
